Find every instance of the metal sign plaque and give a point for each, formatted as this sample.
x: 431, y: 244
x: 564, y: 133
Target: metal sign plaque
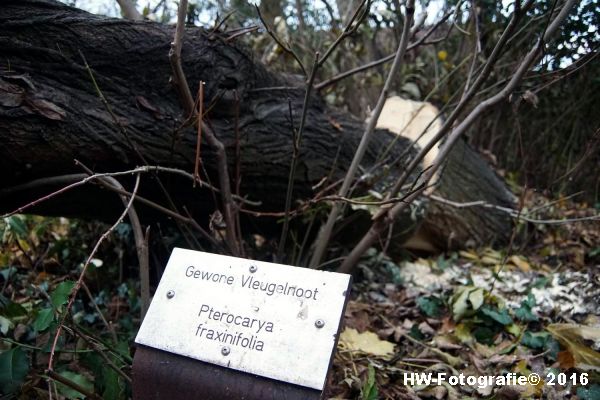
x: 267, y: 319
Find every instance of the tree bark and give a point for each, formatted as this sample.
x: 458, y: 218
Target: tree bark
x: 466, y: 178
x: 51, y: 113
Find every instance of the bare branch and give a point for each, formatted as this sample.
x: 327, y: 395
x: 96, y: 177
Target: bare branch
x: 179, y: 80
x: 73, y: 385
x: 129, y: 11
x: 373, y: 64
x: 449, y: 123
x: 141, y: 246
x: 387, y: 215
x: 285, y: 48
x: 79, y: 282
x: 296, y: 154
x: 325, y: 232
x: 359, y: 15
x: 516, y: 214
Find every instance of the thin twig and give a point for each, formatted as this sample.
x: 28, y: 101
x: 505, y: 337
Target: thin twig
x: 109, y: 327
x: 359, y: 15
x: 297, y: 142
x: 225, y: 187
x: 516, y: 214
x: 373, y: 64
x: 81, y: 179
x: 100, y: 352
x: 222, y: 21
x: 285, y: 48
x: 141, y: 246
x: 188, y: 105
x: 385, y: 217
x: 199, y: 133
x: 241, y: 32
x: 72, y: 385
x: 325, y: 232
x: 79, y: 282
x: 465, y: 99
x: 179, y: 79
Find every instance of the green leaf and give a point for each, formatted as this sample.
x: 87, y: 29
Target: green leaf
x: 553, y: 348
x: 524, y: 312
x: 476, y: 297
x: 17, y: 226
x: 466, y: 300
x: 416, y: 333
x: 369, y: 390
x: 591, y: 393
x: 60, y: 295
x: 534, y: 340
x: 5, y: 325
x: 430, y: 305
x: 459, y: 304
x: 113, y: 388
x: 484, y: 334
x: 8, y: 272
x: 43, y: 320
x: 541, y: 282
x: 13, y: 310
x: 500, y: 316
x: 79, y: 379
x: 14, y: 366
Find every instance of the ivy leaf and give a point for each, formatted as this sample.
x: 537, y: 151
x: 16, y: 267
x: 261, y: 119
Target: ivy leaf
x: 430, y: 305
x: 591, y: 393
x: 13, y: 310
x: 17, y: 225
x: 535, y: 340
x: 500, y: 316
x: 466, y: 300
x: 43, y: 319
x: 14, y: 366
x: 113, y: 389
x: 60, y: 295
x: 80, y: 380
x: 484, y: 334
x: 524, y: 312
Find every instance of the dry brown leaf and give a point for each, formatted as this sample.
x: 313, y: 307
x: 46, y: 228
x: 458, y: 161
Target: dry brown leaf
x: 11, y: 95
x: 47, y: 109
x: 520, y: 263
x: 366, y: 342
x: 572, y: 337
x: 565, y: 360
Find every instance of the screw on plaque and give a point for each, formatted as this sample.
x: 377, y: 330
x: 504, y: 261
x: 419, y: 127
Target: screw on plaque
x: 253, y: 268
x: 319, y: 323
x: 225, y: 351
x: 170, y: 294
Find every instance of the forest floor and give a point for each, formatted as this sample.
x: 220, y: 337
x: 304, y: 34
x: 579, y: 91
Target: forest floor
x: 530, y: 308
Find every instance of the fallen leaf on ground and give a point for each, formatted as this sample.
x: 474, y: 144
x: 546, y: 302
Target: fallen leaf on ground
x: 572, y: 337
x: 366, y: 342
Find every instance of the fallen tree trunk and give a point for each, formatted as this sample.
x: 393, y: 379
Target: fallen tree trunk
x: 122, y: 112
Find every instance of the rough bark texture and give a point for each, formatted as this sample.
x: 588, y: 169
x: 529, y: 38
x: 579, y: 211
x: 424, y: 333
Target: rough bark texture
x: 51, y: 113
x: 466, y: 177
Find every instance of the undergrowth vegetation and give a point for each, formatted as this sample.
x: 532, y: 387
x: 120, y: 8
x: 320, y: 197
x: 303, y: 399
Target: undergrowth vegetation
x: 521, y: 310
